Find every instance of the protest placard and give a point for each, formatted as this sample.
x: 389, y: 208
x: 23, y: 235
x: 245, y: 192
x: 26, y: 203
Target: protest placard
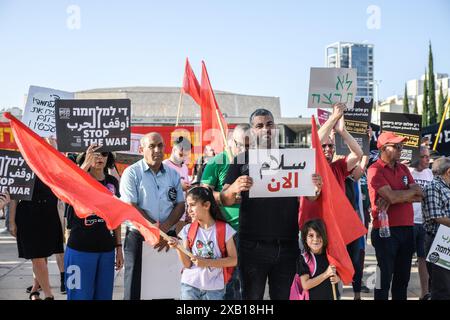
x: 16, y: 176
x: 439, y: 253
x: 322, y: 116
x: 405, y: 125
x: 281, y: 172
x: 39, y: 112
x: 80, y: 123
x: 357, y: 122
x: 331, y: 85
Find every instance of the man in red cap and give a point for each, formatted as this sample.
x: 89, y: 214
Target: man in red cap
x: 392, y: 189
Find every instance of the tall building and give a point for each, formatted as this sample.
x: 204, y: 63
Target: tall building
x: 353, y: 55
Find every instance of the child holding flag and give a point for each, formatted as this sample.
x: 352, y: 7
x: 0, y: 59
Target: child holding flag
x: 210, y: 239
x: 313, y: 266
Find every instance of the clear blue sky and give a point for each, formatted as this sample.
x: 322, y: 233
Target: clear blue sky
x: 250, y: 46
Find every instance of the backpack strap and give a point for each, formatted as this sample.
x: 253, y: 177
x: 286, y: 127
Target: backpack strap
x: 220, y: 235
x: 311, y: 262
x: 192, y: 233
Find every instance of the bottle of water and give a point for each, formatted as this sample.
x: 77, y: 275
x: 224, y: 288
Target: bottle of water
x: 383, y: 218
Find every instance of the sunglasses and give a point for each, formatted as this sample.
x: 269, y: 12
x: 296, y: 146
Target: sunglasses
x: 103, y: 154
x: 329, y: 145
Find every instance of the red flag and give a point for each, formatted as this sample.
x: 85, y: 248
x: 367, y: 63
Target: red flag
x: 74, y: 186
x: 211, y: 115
x: 190, y: 83
x: 342, y: 223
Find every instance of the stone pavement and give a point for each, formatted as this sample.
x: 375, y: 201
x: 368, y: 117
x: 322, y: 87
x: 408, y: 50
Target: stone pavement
x: 16, y: 274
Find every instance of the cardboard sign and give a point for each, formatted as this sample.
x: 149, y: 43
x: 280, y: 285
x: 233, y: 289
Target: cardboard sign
x: 357, y: 121
x: 161, y: 274
x: 439, y: 253
x: 16, y: 176
x: 406, y: 125
x: 39, y: 113
x: 281, y: 172
x: 80, y: 123
x: 328, y: 86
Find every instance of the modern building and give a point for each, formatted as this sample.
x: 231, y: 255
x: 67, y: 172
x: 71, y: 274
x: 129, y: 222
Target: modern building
x: 354, y: 55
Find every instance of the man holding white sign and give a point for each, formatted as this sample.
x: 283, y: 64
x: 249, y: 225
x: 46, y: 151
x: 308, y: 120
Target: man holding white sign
x: 268, y: 227
x: 436, y: 212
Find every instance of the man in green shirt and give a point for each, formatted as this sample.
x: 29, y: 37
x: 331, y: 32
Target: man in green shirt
x: 214, y: 176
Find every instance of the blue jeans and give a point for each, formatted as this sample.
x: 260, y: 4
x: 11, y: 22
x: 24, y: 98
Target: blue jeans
x: 89, y: 275
x: 260, y: 261
x: 233, y: 288
x: 191, y: 293
x: 394, y: 255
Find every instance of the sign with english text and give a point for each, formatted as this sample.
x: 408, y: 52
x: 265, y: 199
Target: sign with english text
x: 16, y: 176
x: 80, y: 123
x: 282, y: 172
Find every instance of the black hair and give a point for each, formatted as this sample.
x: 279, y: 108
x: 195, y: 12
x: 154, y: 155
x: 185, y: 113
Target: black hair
x: 203, y: 194
x: 183, y: 142
x: 319, y: 227
x: 259, y: 112
x: 109, y: 162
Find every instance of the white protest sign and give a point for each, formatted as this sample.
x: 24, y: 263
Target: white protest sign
x: 281, y: 172
x: 439, y: 253
x: 331, y: 85
x: 161, y: 274
x: 39, y: 113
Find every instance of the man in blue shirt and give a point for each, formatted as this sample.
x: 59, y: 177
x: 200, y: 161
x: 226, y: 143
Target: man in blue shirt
x: 155, y: 190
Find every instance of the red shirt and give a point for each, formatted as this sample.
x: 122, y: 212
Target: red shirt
x: 311, y: 209
x: 399, y: 178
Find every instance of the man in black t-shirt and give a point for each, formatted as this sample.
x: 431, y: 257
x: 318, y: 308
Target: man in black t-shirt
x: 268, y: 227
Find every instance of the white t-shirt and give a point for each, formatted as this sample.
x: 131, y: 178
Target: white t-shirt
x: 422, y: 178
x: 205, y: 246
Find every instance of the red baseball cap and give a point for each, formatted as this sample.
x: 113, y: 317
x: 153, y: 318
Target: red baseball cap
x: 389, y: 137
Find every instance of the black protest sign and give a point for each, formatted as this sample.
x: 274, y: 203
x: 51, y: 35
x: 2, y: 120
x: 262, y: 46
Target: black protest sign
x: 80, y: 123
x: 443, y: 145
x: 357, y: 122
x: 16, y: 176
x: 405, y: 125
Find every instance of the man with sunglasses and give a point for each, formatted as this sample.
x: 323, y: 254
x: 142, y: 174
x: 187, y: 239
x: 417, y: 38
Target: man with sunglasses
x: 392, y: 189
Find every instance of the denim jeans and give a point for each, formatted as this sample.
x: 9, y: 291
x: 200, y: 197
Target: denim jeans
x: 274, y: 261
x: 192, y: 293
x: 394, y: 255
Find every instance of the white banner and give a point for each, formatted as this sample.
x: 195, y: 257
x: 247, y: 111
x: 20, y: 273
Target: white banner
x: 161, y: 274
x: 39, y: 113
x: 440, y: 249
x: 282, y: 172
x: 331, y: 85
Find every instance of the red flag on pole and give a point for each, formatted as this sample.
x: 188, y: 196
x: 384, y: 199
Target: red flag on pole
x: 214, y: 126
x: 342, y: 223
x: 86, y: 195
x: 190, y: 83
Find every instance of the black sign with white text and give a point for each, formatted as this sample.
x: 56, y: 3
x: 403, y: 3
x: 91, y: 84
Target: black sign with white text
x: 16, y: 176
x: 80, y: 123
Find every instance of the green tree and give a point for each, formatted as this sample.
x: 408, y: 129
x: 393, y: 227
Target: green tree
x: 431, y: 90
x: 425, y: 102
x: 441, y: 104
x: 416, y: 110
x: 405, y: 101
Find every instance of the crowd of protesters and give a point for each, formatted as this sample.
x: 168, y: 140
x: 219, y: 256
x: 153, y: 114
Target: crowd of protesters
x: 231, y: 245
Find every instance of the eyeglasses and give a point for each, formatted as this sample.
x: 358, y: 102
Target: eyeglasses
x: 103, y: 154
x: 425, y: 156
x: 329, y: 145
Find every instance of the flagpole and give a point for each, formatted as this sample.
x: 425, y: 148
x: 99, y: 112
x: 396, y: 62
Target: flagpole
x: 230, y: 156
x: 334, y: 291
x: 166, y: 237
x: 180, y: 105
x: 442, y: 123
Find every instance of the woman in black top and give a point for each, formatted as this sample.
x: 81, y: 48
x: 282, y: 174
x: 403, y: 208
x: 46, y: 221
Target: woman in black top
x: 92, y: 250
x: 37, y: 226
x: 319, y: 282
